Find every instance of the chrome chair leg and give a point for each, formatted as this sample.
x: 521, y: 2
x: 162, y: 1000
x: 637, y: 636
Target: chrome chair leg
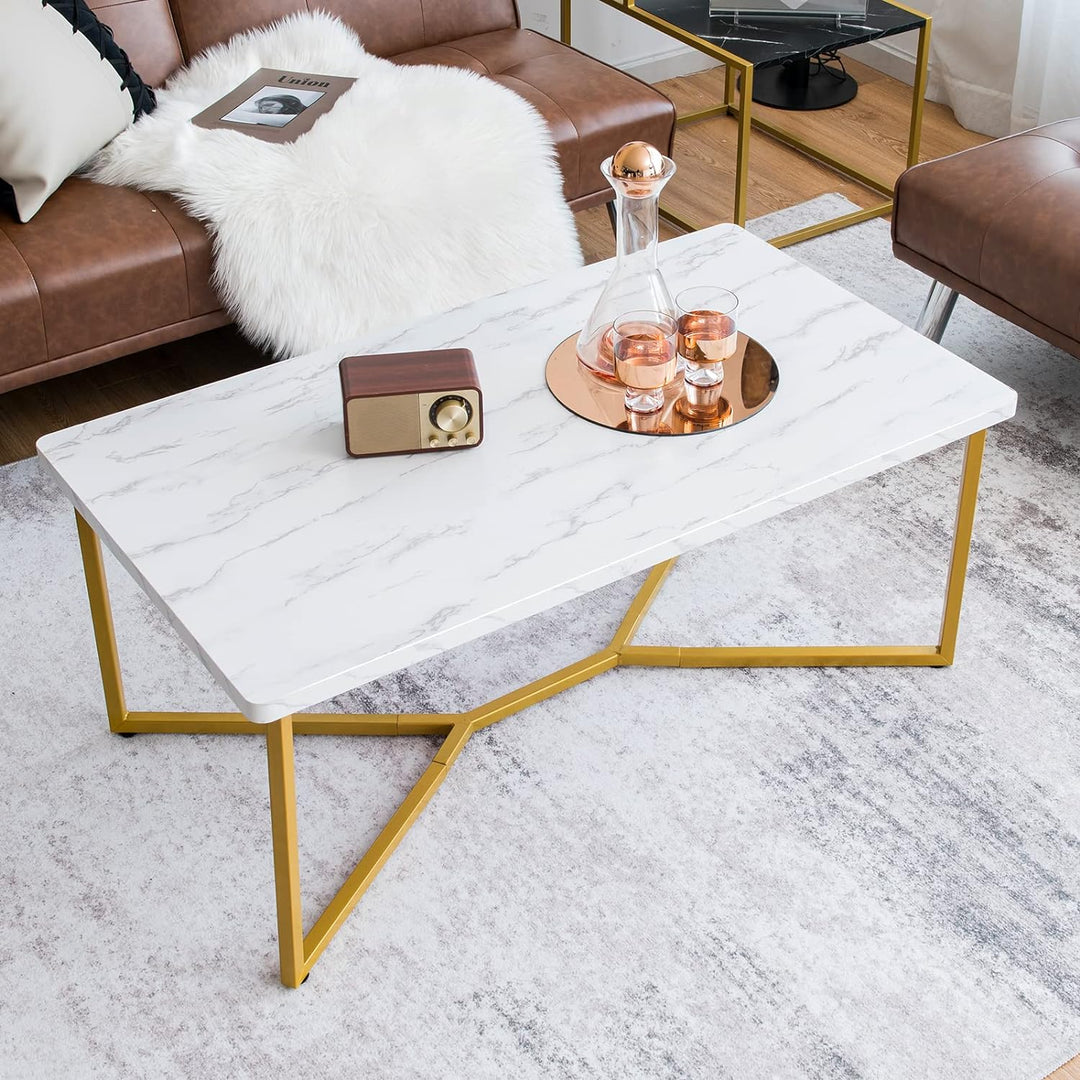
x: 936, y: 311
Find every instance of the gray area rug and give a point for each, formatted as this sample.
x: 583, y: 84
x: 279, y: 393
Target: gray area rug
x: 715, y: 874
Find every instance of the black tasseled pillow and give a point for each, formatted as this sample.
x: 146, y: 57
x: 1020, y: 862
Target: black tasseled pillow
x: 84, y: 21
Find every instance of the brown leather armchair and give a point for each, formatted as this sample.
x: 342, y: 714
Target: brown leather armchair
x: 1000, y: 224
x: 100, y: 272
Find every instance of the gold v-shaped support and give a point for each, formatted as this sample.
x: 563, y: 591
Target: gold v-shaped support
x: 299, y: 952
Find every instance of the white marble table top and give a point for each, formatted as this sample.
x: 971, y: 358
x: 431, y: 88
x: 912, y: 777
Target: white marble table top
x: 296, y: 572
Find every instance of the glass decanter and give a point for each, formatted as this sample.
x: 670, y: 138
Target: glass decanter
x: 638, y: 173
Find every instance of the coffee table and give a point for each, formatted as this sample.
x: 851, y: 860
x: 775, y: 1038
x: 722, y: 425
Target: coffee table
x: 745, y: 46
x: 296, y: 573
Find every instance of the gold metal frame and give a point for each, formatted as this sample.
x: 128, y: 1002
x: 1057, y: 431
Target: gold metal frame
x: 298, y: 950
x: 741, y: 109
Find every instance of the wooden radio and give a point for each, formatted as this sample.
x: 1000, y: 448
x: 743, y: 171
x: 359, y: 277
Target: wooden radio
x: 399, y: 403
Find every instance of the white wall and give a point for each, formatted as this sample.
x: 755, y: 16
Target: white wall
x: 615, y: 38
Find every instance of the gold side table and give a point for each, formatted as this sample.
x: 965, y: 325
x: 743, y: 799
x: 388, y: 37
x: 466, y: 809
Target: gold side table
x: 688, y: 21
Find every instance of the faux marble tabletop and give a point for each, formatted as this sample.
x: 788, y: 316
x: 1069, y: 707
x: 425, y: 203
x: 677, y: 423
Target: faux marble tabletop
x: 296, y: 572
x: 768, y: 41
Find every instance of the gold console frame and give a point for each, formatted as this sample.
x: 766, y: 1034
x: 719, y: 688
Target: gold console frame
x: 300, y: 951
x: 741, y: 106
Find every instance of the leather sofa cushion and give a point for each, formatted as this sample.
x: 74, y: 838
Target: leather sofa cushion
x: 592, y: 109
x: 1002, y: 217
x: 385, y: 26
x: 105, y: 263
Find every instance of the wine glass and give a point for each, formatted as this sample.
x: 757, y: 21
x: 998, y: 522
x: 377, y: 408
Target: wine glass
x: 708, y: 335
x: 646, y: 357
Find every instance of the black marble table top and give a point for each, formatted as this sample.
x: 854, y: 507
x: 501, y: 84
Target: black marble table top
x: 766, y: 42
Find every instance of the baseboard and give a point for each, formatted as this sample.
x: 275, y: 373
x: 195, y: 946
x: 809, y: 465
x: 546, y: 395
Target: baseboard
x: 885, y: 57
x: 669, y: 64
x: 896, y: 62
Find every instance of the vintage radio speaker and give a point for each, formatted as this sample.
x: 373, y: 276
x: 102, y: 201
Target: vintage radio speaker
x: 401, y: 403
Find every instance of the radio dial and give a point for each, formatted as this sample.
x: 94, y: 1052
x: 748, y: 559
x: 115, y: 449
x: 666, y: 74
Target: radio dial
x: 451, y: 414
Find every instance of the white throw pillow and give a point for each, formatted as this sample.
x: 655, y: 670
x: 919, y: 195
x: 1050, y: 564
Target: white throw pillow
x: 60, y: 101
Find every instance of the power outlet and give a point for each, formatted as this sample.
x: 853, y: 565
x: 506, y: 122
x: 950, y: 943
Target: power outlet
x: 538, y: 15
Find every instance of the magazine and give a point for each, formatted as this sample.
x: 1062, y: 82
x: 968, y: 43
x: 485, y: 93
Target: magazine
x: 278, y: 106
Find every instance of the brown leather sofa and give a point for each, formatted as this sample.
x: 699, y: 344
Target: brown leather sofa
x: 100, y: 272
x: 1000, y: 224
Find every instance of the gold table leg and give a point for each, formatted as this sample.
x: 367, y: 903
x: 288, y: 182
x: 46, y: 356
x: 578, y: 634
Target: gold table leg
x: 918, y: 90
x: 97, y: 590
x: 961, y: 546
x: 742, y: 150
x: 299, y: 951
x: 281, y: 770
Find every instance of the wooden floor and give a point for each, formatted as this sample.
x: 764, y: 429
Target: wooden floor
x: 1069, y: 1071
x: 870, y: 133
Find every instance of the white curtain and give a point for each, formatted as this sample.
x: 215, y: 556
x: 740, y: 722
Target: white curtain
x: 973, y: 59
x: 1005, y: 65
x: 1047, y: 85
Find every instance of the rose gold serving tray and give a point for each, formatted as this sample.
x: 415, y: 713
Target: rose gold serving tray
x: 750, y: 381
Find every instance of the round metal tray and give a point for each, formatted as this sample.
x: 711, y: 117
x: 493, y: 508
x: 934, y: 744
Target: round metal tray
x: 750, y: 381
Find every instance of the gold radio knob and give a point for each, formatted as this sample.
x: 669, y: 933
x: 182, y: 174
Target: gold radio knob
x: 450, y: 414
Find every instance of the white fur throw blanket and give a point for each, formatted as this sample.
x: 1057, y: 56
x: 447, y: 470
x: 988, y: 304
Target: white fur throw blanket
x: 421, y: 189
